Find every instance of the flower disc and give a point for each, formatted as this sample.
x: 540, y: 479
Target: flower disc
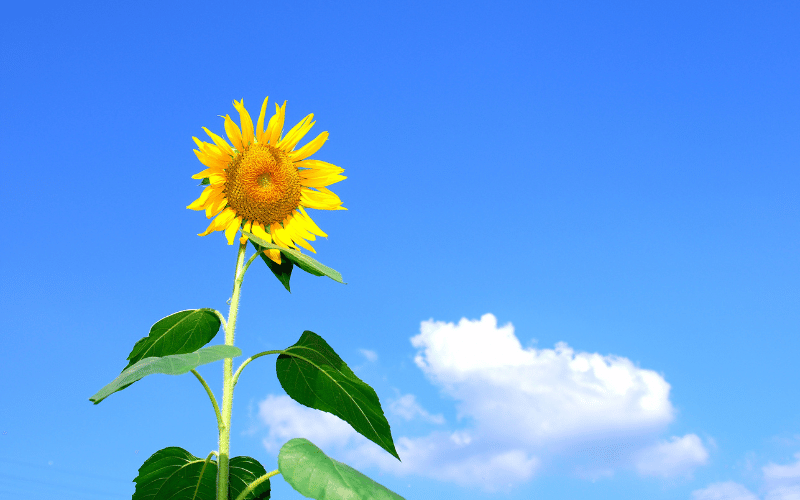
x: 263, y: 185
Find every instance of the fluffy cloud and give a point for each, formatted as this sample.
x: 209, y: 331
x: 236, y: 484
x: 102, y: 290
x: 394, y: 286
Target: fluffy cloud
x: 288, y: 419
x: 451, y: 457
x: 781, y: 482
x: 538, y: 395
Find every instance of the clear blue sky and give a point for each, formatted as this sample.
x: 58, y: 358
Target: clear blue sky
x: 615, y: 183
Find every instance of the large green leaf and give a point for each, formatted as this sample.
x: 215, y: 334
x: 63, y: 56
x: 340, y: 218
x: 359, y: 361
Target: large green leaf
x: 315, y: 475
x: 312, y: 374
x: 175, y: 474
x: 177, y: 364
x: 282, y: 271
x: 301, y: 260
x: 179, y: 333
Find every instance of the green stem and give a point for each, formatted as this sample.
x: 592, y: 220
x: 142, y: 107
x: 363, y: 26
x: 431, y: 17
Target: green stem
x: 254, y: 484
x: 227, y: 381
x: 203, y: 470
x: 248, y: 360
x: 250, y: 261
x: 213, y: 399
x: 221, y: 320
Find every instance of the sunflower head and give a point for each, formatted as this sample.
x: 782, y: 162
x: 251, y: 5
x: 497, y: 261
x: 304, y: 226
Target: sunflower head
x: 259, y: 182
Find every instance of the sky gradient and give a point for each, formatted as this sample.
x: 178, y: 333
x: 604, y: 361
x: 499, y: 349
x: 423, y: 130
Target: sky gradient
x: 570, y: 246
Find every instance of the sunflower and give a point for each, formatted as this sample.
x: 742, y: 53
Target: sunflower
x: 261, y: 184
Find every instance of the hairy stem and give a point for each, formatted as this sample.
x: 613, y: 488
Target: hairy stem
x: 227, y: 381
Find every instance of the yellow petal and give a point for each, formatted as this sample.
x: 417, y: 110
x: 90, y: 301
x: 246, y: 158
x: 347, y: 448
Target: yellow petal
x: 225, y: 217
x: 332, y: 196
x: 279, y: 236
x: 275, y: 255
x: 210, y: 229
x: 260, y: 124
x: 321, y: 180
x: 275, y: 127
x: 202, y: 175
x: 303, y: 243
x: 298, y: 235
x: 213, y: 150
x: 234, y: 134
x: 309, y: 224
x: 246, y: 227
x: 310, y: 148
x: 319, y: 199
x: 296, y: 133
x: 215, y: 204
x: 217, y: 179
x: 220, y: 142
x: 294, y: 226
x: 230, y: 231
x: 247, y: 123
x: 258, y: 230
x: 210, y: 161
x: 200, y: 202
x: 220, y: 222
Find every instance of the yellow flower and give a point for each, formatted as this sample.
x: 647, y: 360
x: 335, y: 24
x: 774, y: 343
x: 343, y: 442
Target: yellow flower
x: 260, y: 183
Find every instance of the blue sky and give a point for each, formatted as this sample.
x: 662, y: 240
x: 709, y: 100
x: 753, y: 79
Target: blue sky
x: 570, y: 246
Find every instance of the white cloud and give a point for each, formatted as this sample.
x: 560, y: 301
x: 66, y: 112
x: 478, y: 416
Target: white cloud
x: 724, y: 491
x: 371, y: 356
x: 677, y: 457
x: 782, y: 481
x: 533, y: 395
x: 407, y: 407
x: 448, y: 457
x: 288, y: 419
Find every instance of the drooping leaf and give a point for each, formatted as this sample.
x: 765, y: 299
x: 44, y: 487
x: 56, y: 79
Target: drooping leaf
x: 176, y: 364
x: 315, y: 475
x: 282, y: 271
x: 301, y: 260
x: 313, y: 374
x: 175, y: 474
x: 179, y: 333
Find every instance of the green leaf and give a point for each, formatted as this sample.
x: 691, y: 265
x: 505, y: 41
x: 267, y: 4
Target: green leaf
x: 312, y: 374
x: 179, y: 333
x: 176, y: 364
x: 175, y: 474
x: 315, y: 475
x: 282, y: 271
x: 243, y: 471
x: 301, y: 260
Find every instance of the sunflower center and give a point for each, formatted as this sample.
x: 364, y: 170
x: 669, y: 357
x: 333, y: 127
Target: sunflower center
x: 263, y: 185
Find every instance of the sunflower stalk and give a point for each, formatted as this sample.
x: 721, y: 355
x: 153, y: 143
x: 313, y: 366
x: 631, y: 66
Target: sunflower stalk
x: 227, y: 379
x: 259, y: 184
